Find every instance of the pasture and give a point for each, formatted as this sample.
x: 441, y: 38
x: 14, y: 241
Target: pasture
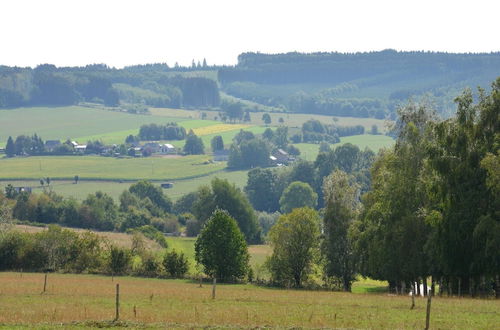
x: 89, y: 300
x: 79, y: 191
x: 70, y: 122
x: 107, y: 168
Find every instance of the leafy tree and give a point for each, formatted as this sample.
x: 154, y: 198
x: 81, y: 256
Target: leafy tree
x: 225, y: 196
x: 221, y: 248
x: 249, y: 153
x: 281, y: 137
x: 145, y: 189
x: 266, y: 118
x: 217, y: 143
x: 268, y: 134
x: 185, y: 203
x: 296, y: 195
x: 98, y: 211
x: 341, y: 208
x: 194, y: 144
x: 303, y: 171
x: 267, y: 221
x: 295, y: 242
x: 10, y: 148
x: 261, y: 189
x: 233, y: 110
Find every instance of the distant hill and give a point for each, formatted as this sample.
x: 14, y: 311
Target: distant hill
x: 358, y: 84
x: 370, y: 84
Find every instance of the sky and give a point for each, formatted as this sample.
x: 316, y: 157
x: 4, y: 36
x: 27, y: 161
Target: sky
x: 123, y: 32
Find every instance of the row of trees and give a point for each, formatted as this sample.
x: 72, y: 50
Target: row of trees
x: 169, y: 131
x: 432, y: 210
x: 57, y: 249
x: 142, y: 204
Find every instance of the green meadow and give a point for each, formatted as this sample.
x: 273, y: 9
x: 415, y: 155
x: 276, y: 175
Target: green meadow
x: 108, y: 168
x: 81, y: 190
x: 70, y: 122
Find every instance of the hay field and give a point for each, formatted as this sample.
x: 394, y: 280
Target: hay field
x: 88, y: 300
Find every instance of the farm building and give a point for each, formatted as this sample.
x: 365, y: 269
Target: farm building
x: 167, y: 148
x: 153, y: 146
x: 280, y: 156
x: 81, y: 148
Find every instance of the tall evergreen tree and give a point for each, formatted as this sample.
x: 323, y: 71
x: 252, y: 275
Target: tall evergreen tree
x: 10, y: 148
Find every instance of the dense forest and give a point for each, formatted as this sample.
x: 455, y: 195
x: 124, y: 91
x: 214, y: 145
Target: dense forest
x: 49, y: 85
x: 369, y: 84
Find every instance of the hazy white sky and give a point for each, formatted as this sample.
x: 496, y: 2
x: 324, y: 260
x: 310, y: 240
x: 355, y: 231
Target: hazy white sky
x: 125, y: 32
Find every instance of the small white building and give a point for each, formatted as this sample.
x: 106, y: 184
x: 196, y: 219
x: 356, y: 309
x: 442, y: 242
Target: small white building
x: 167, y: 148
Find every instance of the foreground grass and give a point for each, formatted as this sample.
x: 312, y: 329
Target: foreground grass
x: 179, y: 303
x: 95, y: 167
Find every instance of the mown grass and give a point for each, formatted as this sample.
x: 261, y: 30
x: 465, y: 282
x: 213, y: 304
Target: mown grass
x: 89, y: 299
x: 95, y: 167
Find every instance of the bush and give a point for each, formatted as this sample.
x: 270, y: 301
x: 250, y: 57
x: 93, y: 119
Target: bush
x: 119, y: 260
x: 176, y: 264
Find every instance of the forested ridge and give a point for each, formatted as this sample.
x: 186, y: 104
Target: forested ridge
x: 370, y: 84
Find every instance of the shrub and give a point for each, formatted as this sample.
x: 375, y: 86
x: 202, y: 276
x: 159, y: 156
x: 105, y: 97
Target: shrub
x: 176, y: 264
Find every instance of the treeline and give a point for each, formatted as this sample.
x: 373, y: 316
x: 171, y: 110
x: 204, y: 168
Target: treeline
x: 313, y: 131
x: 142, y: 204
x: 431, y: 211
x: 433, y: 206
x: 339, y: 67
x: 49, y: 85
x: 170, y: 131
x: 63, y: 250
x: 368, y: 84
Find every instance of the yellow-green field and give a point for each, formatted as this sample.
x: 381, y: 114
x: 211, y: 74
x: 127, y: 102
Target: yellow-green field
x: 89, y: 300
x: 107, y: 168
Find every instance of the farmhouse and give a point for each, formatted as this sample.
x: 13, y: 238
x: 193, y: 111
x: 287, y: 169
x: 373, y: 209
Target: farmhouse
x: 153, y: 146
x: 81, y: 148
x: 280, y: 156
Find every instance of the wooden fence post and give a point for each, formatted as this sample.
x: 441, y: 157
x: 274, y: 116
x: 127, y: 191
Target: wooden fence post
x: 45, y: 283
x: 117, y: 313
x: 213, y: 287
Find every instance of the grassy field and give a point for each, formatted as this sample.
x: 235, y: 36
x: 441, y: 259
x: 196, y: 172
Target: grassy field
x: 309, y: 151
x: 84, y: 300
x: 70, y: 122
x: 96, y: 167
x: 80, y: 191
